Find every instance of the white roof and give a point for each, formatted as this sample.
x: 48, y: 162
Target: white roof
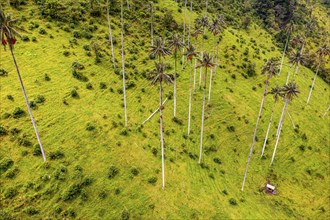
x: 270, y: 186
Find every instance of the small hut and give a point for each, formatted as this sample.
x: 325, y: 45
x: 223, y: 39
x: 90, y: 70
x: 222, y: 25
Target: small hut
x: 270, y: 189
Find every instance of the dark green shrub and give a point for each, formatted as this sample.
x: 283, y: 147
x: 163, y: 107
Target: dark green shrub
x: 66, y: 53
x: 177, y: 120
x: 154, y: 151
x: 3, y: 131
x: 25, y: 38
x: 135, y: 171
x: 57, y: 209
x: 124, y: 132
x: 46, y: 77
x: 74, y: 93
x: 103, y: 85
x: 33, y: 105
x: 79, y: 76
x: 40, y: 99
x: 232, y: 201
x: 18, y: 112
x: 5, y: 164
x: 89, y: 86
x: 72, y: 192
x: 231, y: 128
x: 42, y: 31
x: 3, y: 72
x: 90, y: 126
x: 152, y: 180
x: 225, y: 192
x: 113, y: 171
x: 103, y: 194
x: 10, y: 193
x: 36, y: 150
x: 56, y: 155
x: 217, y: 160
x: 125, y: 215
x: 31, y: 210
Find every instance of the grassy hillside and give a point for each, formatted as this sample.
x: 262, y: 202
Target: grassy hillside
x: 86, y: 142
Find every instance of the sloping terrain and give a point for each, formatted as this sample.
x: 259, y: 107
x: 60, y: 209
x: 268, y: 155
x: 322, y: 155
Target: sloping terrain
x: 98, y: 169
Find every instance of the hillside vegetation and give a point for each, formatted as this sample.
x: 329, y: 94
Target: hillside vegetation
x: 97, y: 168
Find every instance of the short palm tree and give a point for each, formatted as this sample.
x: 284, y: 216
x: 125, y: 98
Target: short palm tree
x: 176, y: 43
x: 277, y: 93
x: 323, y: 51
x: 159, y: 77
x: 289, y: 92
x: 205, y: 62
x: 8, y: 32
x: 271, y: 68
x: 190, y: 53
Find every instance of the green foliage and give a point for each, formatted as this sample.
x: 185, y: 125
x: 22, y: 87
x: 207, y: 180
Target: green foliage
x: 113, y: 172
x: 18, y: 112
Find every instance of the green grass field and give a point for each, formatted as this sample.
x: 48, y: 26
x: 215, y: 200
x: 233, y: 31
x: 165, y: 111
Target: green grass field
x: 75, y: 183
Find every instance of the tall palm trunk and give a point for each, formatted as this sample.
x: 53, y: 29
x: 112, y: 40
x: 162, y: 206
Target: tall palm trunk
x: 206, y: 6
x: 283, y: 55
x: 326, y: 111
x: 190, y: 21
x: 27, y: 103
x: 174, y: 92
x: 184, y: 30
x: 190, y: 98
x: 288, y: 77
x: 123, y: 59
x: 203, y: 113
x: 255, y: 130
x: 268, y: 129
x: 279, y: 128
x: 210, y: 87
x: 195, y: 75
x: 110, y: 36
x: 151, y: 24
x: 311, y: 90
x: 161, y: 131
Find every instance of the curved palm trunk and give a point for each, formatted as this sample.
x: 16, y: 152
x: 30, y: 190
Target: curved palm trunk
x: 268, y: 129
x: 311, y: 90
x: 203, y: 113
x: 161, y: 131
x: 174, y: 92
x: 255, y: 130
x: 283, y: 55
x: 279, y: 130
x: 110, y: 36
x: 27, y: 103
x: 325, y: 113
x: 190, y: 100
x: 292, y: 122
x: 123, y: 60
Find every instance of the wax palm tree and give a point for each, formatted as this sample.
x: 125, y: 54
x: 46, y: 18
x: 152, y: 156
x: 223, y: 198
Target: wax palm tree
x: 123, y: 58
x: 159, y: 49
x: 176, y: 43
x: 8, y: 32
x: 184, y: 31
x: 159, y: 77
x: 190, y: 53
x: 295, y: 59
x: 321, y: 52
x: 205, y: 62
x: 271, y: 68
x: 204, y: 23
x: 277, y: 93
x: 196, y: 33
x: 110, y: 35
x: 289, y: 29
x: 289, y: 92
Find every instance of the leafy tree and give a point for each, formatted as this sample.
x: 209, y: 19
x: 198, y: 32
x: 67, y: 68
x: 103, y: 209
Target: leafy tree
x: 271, y: 68
x: 159, y: 77
x: 276, y: 92
x: 289, y: 92
x: 321, y: 52
x: 205, y: 62
x: 176, y: 43
x: 8, y: 32
x: 190, y: 53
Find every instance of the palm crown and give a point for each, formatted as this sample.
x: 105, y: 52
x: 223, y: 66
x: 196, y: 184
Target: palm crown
x: 8, y: 29
x: 159, y: 49
x: 160, y: 75
x: 271, y: 67
x: 323, y: 51
x: 206, y: 61
x: 290, y: 91
x: 176, y: 42
x: 190, y: 52
x: 277, y: 92
x: 296, y: 58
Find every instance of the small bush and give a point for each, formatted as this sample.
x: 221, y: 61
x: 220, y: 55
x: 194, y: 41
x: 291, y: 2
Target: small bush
x: 74, y: 93
x: 152, y: 180
x: 36, y: 150
x: 3, y: 72
x: 56, y: 155
x: 103, y: 85
x: 231, y: 128
x: 177, y: 120
x: 79, y: 76
x: 66, y: 53
x: 72, y: 192
x: 18, y: 112
x: 40, y: 99
x: 113, y: 171
x: 125, y: 215
x: 217, y: 160
x: 90, y: 127
x: 3, y: 131
x: 46, y: 77
x: 42, y: 31
x: 89, y: 86
x: 103, y: 194
x: 135, y: 171
x: 25, y: 38
x: 10, y: 193
x: 78, y: 66
x: 232, y: 201
x: 31, y: 210
x: 154, y: 151
x: 124, y: 132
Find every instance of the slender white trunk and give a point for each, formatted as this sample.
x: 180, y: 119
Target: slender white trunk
x: 325, y: 113
x: 311, y: 90
x: 255, y: 130
x: 151, y: 24
x: 123, y: 60
x: 279, y: 128
x: 202, y: 126
x: 127, y: 2
x: 161, y: 132
x: 283, y: 55
x: 288, y: 77
x: 190, y: 21
x: 195, y: 75
x: 292, y: 122
x: 206, y: 5
x: 200, y: 77
x: 150, y: 116
x: 28, y: 104
x: 268, y: 129
x: 174, y: 92
x: 110, y: 36
x: 210, y: 87
x: 190, y: 98
x: 184, y: 31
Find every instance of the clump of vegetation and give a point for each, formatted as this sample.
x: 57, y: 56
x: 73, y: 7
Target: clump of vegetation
x: 18, y: 112
x: 113, y: 172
